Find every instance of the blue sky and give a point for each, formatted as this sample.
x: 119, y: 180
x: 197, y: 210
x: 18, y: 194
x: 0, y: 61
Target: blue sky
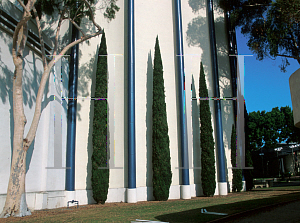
x: 266, y: 86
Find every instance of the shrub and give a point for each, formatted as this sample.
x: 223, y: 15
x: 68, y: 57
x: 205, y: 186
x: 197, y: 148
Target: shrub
x: 208, y: 171
x: 161, y: 160
x: 100, y: 171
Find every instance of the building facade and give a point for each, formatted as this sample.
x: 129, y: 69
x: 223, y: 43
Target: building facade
x: 46, y: 160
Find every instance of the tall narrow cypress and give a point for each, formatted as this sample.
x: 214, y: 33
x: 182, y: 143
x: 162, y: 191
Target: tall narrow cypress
x: 237, y: 177
x: 208, y: 171
x: 161, y: 160
x: 100, y: 171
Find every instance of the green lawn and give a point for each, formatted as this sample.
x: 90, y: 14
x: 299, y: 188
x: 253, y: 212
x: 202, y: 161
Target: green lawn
x: 169, y: 211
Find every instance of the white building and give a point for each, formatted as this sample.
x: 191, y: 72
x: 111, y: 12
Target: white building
x: 46, y: 159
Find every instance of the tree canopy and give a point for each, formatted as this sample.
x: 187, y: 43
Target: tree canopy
x: 75, y: 9
x: 266, y: 129
x: 272, y: 26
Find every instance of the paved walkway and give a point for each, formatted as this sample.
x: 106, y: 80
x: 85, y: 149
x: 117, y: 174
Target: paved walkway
x: 289, y: 213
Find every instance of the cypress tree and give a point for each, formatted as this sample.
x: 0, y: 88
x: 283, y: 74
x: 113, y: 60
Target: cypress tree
x: 208, y: 171
x: 100, y: 171
x: 161, y: 160
x: 237, y: 177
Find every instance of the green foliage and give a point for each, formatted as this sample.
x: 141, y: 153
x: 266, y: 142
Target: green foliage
x: 161, y: 160
x: 208, y: 171
x: 248, y: 173
x: 289, y: 132
x: 237, y: 177
x: 272, y: 26
x: 266, y: 129
x: 100, y: 177
x: 76, y: 9
x: 111, y: 9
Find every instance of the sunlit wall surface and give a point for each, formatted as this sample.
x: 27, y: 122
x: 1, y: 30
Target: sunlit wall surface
x: 152, y: 18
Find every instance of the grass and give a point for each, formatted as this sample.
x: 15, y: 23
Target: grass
x: 168, y: 211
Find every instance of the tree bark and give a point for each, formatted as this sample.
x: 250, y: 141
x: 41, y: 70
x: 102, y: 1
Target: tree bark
x: 15, y: 204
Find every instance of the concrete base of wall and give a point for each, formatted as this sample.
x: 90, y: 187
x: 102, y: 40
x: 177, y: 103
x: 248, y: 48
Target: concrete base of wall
x: 185, y: 191
x: 131, y: 195
x: 222, y: 188
x: 54, y: 199
x: 229, y: 186
x: 70, y: 195
x: 244, y: 186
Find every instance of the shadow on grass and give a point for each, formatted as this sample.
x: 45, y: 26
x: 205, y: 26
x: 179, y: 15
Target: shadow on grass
x: 195, y: 215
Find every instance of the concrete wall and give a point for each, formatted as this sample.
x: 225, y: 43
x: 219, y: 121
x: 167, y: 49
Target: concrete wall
x: 46, y: 156
x: 294, y: 88
x: 152, y: 18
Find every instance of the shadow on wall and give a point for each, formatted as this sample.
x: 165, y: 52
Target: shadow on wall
x: 92, y: 65
x: 6, y: 81
x: 197, y: 35
x: 31, y: 80
x: 196, y: 141
x: 149, y: 119
x: 86, y: 73
x: 197, y: 5
x: 31, y: 77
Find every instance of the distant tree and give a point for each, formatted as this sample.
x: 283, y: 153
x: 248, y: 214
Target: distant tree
x: 256, y: 129
x: 267, y: 129
x: 237, y: 177
x: 100, y: 170
x: 66, y: 10
x: 272, y: 127
x: 288, y: 132
x: 161, y: 160
x: 271, y: 25
x: 208, y: 172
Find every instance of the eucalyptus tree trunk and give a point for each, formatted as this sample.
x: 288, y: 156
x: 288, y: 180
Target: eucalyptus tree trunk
x: 15, y: 204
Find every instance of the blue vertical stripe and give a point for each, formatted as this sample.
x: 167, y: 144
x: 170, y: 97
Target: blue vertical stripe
x: 181, y: 89
x: 218, y: 112
x: 131, y: 98
x: 72, y: 109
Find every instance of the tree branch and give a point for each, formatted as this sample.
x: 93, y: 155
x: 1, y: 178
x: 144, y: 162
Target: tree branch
x: 37, y: 113
x: 30, y: 5
x: 92, y: 15
x: 77, y: 27
x: 41, y: 38
x: 17, y: 32
x: 23, y: 6
x: 58, y: 30
x: 23, y: 39
x: 76, y: 12
x: 257, y: 4
x: 282, y: 55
